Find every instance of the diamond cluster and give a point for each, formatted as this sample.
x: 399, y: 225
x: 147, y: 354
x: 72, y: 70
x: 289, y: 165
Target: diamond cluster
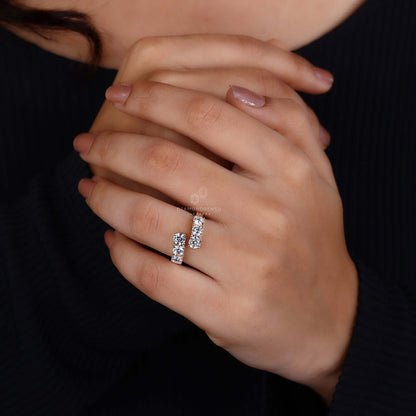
x: 179, y: 240
x: 197, y: 230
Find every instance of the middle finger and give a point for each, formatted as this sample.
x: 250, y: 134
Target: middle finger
x: 182, y: 174
x: 153, y: 223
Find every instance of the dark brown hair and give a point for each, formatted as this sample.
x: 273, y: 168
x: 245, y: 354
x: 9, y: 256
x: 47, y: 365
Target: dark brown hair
x: 15, y: 14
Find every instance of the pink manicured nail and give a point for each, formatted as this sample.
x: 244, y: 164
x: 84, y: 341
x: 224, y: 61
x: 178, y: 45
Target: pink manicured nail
x: 118, y: 93
x: 248, y: 97
x: 82, y: 143
x: 109, y: 238
x: 324, y: 76
x: 324, y: 136
x: 86, y: 186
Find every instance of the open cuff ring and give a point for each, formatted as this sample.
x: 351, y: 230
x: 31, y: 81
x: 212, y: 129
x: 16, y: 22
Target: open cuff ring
x: 179, y: 240
x: 197, y: 230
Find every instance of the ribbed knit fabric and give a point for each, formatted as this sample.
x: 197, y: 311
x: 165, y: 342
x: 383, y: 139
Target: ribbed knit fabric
x: 77, y: 339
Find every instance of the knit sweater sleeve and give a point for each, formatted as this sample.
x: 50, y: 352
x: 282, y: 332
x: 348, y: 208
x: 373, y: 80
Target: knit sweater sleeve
x: 70, y: 325
x: 379, y: 374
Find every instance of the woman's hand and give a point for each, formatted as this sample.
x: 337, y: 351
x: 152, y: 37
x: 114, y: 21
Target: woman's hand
x: 210, y: 63
x: 273, y: 282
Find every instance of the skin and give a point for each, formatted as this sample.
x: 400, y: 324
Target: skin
x: 275, y: 296
x: 227, y: 59
x: 292, y: 282
x: 123, y: 22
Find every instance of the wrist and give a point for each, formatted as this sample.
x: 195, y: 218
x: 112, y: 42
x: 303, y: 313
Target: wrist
x: 335, y: 355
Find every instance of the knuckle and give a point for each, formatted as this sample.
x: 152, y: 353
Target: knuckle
x: 269, y: 83
x: 144, y: 219
x: 275, y: 88
x: 203, y: 112
x: 279, y: 224
x: 278, y: 43
x: 145, y: 48
x: 148, y: 90
x: 104, y: 149
x: 163, y: 76
x: 148, y: 277
x: 162, y: 158
x: 300, y: 65
x: 300, y: 169
x: 312, y: 118
x: 96, y: 197
x: 145, y: 98
x: 259, y: 265
x: 296, y: 113
x: 251, y: 46
x: 150, y: 218
x: 276, y: 222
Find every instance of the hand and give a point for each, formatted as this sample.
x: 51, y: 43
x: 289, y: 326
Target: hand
x: 273, y: 282
x: 210, y: 63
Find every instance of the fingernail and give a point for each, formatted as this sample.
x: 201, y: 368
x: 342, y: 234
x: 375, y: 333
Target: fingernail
x: 118, y: 93
x: 248, y: 97
x: 86, y: 186
x: 324, y: 76
x: 109, y: 238
x: 83, y: 142
x: 324, y: 136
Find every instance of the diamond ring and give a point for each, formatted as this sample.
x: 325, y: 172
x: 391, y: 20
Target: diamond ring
x: 197, y: 230
x: 179, y: 240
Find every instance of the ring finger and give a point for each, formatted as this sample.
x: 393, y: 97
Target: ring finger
x: 153, y: 223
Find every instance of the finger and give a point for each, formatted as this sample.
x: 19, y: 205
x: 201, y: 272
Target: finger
x: 294, y: 121
x: 211, y: 122
x: 153, y: 223
x: 182, y: 289
x: 217, y: 81
x: 175, y: 171
x: 278, y: 43
x: 219, y: 50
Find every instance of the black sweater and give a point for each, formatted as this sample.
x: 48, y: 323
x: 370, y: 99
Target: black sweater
x: 77, y: 339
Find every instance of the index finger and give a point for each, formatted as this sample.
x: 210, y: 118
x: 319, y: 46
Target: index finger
x: 216, y: 125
